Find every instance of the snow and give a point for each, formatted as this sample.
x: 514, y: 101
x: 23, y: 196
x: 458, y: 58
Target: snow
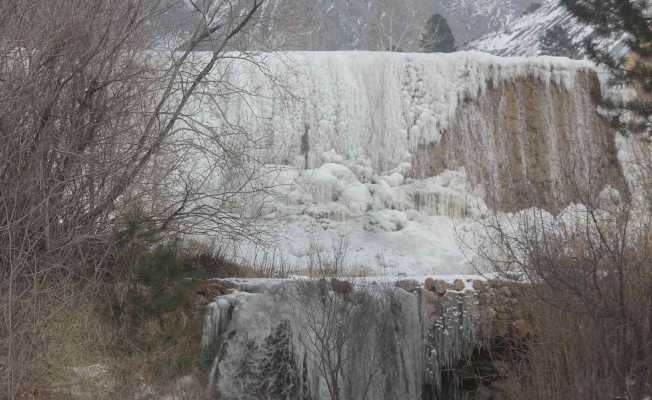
x: 522, y: 37
x: 259, y: 285
x: 370, y: 106
x: 342, y: 129
x: 398, y: 231
x: 360, y: 324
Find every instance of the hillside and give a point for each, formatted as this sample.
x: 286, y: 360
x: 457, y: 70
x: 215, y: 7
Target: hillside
x: 525, y: 36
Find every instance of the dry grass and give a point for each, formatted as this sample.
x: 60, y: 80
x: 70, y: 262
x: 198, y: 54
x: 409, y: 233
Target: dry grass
x: 577, y: 356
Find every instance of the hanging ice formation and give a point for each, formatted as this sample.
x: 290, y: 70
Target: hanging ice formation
x: 524, y: 129
x: 317, y: 340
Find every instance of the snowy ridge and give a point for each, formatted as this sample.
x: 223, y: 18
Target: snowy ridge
x: 472, y: 18
x: 522, y: 37
x: 376, y: 25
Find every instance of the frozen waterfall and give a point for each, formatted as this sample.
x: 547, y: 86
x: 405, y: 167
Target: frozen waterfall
x: 391, y: 149
x: 314, y: 340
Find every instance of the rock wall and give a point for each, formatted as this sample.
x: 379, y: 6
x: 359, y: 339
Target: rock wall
x: 530, y: 143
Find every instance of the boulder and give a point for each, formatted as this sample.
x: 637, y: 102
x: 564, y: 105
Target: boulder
x: 459, y: 285
x: 505, y: 291
x: 440, y: 287
x: 479, y: 285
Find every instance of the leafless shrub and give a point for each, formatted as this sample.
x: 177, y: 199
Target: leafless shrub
x: 329, y: 262
x: 334, y: 318
x: 589, y: 295
x: 87, y: 112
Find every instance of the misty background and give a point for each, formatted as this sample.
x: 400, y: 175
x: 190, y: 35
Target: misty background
x: 389, y: 25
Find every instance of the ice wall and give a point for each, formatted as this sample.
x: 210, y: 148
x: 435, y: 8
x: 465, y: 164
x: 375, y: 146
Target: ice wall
x: 488, y: 114
x: 312, y: 339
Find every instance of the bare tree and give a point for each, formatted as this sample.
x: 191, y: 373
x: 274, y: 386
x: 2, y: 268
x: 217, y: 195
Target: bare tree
x: 87, y: 112
x: 394, y: 26
x: 337, y: 322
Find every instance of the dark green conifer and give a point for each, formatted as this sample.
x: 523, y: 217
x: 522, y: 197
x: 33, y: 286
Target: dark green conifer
x: 437, y: 37
x: 631, y: 20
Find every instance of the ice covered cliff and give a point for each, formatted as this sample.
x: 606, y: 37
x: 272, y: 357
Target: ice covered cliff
x: 360, y: 339
x: 388, y: 150
x: 309, y: 340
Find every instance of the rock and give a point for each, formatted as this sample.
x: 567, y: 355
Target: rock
x: 218, y: 287
x: 201, y: 300
x: 429, y: 297
x: 505, y: 291
x: 520, y: 329
x: 408, y: 285
x: 502, y: 368
x: 459, y: 285
x: 429, y: 284
x: 502, y: 327
x: 440, y: 287
x: 341, y: 287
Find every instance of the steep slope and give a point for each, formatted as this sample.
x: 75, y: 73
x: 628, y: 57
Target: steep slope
x: 471, y: 19
x: 524, y: 36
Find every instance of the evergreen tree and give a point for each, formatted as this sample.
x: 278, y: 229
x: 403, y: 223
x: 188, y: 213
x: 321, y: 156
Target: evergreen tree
x: 557, y: 42
x: 279, y: 374
x: 631, y: 18
x: 437, y: 37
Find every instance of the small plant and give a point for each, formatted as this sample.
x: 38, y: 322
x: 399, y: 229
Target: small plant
x: 155, y: 298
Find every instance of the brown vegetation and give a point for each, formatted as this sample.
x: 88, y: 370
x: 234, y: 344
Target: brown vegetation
x: 85, y: 114
x: 588, y: 301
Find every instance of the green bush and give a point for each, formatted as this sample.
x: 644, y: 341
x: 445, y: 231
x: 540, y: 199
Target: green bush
x: 154, y: 298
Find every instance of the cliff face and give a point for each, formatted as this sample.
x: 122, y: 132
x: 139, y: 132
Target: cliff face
x: 529, y: 143
x: 312, y: 340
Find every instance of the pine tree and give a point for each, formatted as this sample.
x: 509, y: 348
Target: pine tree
x: 437, y: 37
x: 632, y: 19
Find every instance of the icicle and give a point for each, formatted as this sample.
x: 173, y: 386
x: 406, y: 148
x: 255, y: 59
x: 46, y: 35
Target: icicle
x: 216, y: 321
